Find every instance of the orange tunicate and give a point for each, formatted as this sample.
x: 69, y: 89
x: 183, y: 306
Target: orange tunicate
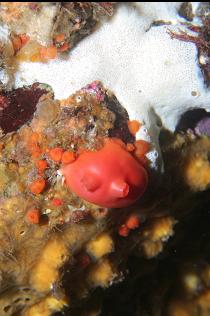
x: 48, y: 52
x: 33, y: 216
x: 133, y: 126
x: 68, y: 157
x: 60, y: 37
x: 18, y: 41
x: 123, y: 231
x: 57, y: 202
x: 132, y: 221
x: 37, y: 186
x: 35, y: 151
x: 41, y: 165
x: 24, y: 39
x: 56, y: 154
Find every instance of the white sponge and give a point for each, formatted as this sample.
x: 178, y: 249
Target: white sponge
x: 148, y: 71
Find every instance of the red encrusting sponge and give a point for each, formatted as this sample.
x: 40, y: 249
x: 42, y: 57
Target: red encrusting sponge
x: 110, y: 177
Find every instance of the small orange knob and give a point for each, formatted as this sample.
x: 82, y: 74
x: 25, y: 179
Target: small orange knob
x: 119, y: 188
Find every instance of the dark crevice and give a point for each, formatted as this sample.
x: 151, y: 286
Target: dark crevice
x: 18, y: 106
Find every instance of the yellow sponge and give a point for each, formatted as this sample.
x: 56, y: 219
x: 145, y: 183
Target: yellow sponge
x: 101, y: 274
x: 100, y: 246
x: 46, y: 271
x: 46, y: 307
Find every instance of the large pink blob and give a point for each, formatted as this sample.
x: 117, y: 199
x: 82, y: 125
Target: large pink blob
x: 110, y: 177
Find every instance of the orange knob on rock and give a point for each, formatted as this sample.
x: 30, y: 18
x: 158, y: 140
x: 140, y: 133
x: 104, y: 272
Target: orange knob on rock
x: 110, y: 177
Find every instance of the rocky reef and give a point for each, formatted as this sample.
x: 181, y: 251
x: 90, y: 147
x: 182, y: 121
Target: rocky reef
x: 127, y: 234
